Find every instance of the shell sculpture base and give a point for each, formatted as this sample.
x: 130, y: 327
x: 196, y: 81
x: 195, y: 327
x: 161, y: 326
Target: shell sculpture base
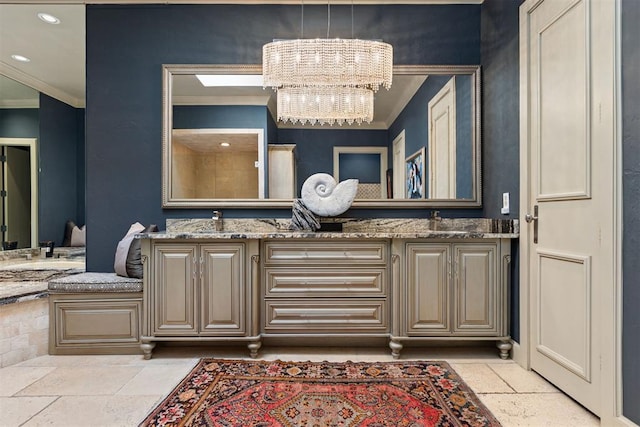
x: 324, y: 197
x: 302, y: 218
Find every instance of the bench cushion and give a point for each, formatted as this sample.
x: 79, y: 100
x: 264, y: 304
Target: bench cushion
x: 95, y: 282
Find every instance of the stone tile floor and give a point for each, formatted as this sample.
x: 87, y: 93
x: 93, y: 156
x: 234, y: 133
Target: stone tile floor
x: 121, y: 390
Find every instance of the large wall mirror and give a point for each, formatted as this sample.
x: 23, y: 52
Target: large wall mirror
x: 221, y: 133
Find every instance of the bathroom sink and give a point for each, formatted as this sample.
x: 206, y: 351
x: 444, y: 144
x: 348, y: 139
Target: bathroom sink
x: 330, y: 227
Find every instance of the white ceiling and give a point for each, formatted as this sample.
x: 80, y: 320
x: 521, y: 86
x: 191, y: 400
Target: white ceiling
x: 210, y: 141
x: 57, y: 52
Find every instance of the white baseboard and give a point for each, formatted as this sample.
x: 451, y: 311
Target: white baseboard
x: 622, y: 422
x: 519, y: 355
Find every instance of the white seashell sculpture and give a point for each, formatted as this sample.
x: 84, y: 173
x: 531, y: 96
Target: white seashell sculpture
x: 323, y: 196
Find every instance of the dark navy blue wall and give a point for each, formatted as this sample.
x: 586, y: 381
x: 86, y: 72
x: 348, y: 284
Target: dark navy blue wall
x: 363, y: 167
x: 464, y: 126
x: 501, y: 123
x: 219, y: 116
x: 19, y: 123
x: 272, y: 129
x: 58, y: 163
x: 126, y: 46
x: 414, y: 120
x: 314, y: 148
x: 80, y: 172
x: 271, y: 138
x: 631, y: 211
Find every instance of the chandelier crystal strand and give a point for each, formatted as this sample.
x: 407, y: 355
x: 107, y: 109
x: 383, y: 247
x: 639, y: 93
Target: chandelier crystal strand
x: 325, y: 105
x: 327, y: 62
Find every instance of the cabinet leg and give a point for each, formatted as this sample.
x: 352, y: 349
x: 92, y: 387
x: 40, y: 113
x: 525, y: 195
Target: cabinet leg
x: 253, y: 348
x: 504, y: 346
x: 396, y: 347
x: 147, y: 348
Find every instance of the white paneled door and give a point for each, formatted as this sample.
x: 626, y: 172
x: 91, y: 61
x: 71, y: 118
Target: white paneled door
x: 398, y: 167
x: 568, y: 61
x: 442, y: 142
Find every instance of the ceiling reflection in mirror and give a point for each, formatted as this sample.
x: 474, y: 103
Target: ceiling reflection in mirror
x: 428, y: 122
x: 17, y: 95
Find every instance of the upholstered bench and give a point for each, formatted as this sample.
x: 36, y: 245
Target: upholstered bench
x: 95, y: 313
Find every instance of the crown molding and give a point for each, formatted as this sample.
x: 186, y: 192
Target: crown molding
x: 19, y: 103
x: 39, y: 85
x: 221, y: 100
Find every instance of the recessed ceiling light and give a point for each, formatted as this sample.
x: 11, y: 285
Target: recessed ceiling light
x: 49, y: 19
x: 224, y: 144
x: 20, y: 58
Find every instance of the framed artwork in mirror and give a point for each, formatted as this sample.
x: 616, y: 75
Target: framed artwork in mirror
x: 414, y: 175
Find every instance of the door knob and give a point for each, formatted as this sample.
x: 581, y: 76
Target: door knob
x: 533, y: 218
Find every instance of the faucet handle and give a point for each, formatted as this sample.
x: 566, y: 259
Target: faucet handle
x: 217, y: 214
x: 435, y: 214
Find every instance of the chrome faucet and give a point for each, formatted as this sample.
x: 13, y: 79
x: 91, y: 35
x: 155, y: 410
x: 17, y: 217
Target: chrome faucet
x: 434, y: 220
x: 217, y: 220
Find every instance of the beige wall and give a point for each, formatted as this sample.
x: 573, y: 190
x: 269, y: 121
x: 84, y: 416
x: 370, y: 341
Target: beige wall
x: 183, y: 172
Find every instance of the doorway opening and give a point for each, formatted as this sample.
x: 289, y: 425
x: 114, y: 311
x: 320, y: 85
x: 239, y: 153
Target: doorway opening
x: 19, y: 193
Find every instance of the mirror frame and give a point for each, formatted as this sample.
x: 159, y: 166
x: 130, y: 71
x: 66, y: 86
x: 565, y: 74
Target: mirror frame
x: 169, y: 70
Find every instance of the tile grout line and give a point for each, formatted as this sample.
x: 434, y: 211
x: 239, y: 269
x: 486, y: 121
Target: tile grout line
x: 503, y: 380
x: 34, y: 381
x: 41, y: 410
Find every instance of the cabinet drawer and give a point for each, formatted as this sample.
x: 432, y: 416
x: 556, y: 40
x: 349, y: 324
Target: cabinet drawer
x: 325, y: 316
x: 328, y: 282
x: 325, y: 252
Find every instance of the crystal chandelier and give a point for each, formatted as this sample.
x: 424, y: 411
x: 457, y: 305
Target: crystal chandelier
x: 326, y: 80
x: 325, y: 104
x: 327, y: 62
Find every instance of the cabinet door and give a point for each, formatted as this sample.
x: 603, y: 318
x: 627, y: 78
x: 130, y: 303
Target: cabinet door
x: 475, y: 290
x: 427, y: 296
x: 174, y: 291
x: 223, y: 284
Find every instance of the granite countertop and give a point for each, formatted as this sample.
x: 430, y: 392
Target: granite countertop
x: 445, y: 228
x: 23, y: 279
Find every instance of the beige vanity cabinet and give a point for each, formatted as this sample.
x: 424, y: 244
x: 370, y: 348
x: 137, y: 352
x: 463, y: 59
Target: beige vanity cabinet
x: 451, y: 290
x: 200, y: 291
x: 174, y: 289
x: 325, y: 287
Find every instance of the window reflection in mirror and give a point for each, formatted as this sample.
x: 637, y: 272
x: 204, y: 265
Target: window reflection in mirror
x: 430, y: 108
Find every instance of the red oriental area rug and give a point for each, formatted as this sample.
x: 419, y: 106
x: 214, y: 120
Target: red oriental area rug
x: 244, y: 393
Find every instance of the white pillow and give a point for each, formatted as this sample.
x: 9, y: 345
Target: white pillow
x: 78, y: 236
x: 120, y: 263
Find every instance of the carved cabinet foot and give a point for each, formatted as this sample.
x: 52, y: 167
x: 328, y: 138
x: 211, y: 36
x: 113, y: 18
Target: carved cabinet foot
x: 395, y: 347
x: 147, y: 348
x: 253, y: 348
x: 504, y: 346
